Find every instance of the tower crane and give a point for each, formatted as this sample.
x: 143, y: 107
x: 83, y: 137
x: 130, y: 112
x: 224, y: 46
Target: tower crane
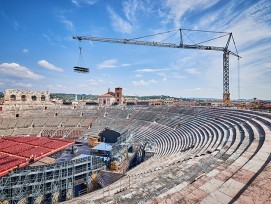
x: 199, y: 46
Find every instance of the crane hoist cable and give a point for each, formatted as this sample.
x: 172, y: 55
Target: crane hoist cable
x: 81, y: 68
x: 81, y: 61
x: 238, y: 78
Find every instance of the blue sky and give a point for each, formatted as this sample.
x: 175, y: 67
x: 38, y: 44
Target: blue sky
x: 38, y: 52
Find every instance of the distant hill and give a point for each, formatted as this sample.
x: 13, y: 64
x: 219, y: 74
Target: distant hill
x: 152, y: 97
x: 65, y: 96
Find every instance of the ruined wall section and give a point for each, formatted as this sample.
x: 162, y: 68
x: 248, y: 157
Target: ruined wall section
x: 15, y: 96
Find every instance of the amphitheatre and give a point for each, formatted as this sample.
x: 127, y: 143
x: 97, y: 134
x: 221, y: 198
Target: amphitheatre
x: 192, y: 155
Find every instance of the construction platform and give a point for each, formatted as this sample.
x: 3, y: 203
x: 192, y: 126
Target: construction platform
x: 21, y: 151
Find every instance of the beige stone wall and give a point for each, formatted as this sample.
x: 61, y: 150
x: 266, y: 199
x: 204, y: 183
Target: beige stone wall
x: 22, y: 96
x: 108, y: 101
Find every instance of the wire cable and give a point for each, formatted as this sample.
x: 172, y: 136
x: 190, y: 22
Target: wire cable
x: 235, y: 45
x: 212, y: 39
x: 239, y: 78
x: 189, y: 38
x: 169, y: 37
x: 154, y: 34
x: 206, y: 31
x: 81, y: 62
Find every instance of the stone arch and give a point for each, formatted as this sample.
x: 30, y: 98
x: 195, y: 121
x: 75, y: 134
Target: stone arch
x: 42, y: 98
x: 13, y: 97
x: 33, y: 97
x: 23, y: 97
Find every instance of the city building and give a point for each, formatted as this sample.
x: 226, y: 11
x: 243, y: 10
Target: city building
x: 111, y: 98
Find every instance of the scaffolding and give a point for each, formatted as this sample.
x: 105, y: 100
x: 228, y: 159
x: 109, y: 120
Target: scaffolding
x: 49, y: 183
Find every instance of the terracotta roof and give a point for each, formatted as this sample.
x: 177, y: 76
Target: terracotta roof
x: 106, y: 95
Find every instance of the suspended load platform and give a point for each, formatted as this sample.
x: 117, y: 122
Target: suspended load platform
x: 81, y: 65
x: 81, y: 69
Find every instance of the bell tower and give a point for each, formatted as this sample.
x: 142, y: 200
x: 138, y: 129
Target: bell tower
x: 118, y: 95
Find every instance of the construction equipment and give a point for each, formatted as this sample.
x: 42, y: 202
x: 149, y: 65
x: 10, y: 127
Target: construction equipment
x: 81, y: 65
x: 225, y: 50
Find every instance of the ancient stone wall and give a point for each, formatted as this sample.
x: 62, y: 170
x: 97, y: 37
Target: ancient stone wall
x: 22, y: 96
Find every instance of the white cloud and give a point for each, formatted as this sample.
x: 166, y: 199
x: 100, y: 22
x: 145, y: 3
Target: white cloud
x: 138, y: 75
x: 47, y: 65
x: 192, y: 71
x: 55, y: 86
x: 140, y: 83
x: 125, y: 65
x: 171, y: 75
x: 130, y: 8
x: 118, y: 23
x: 193, y: 89
x: 108, y: 64
x: 75, y: 2
x: 152, y: 81
x: 93, y: 82
x: 27, y: 85
x: 16, y: 25
x: 150, y: 70
x: 10, y: 83
x: 25, y: 50
x: 16, y: 70
x: 68, y: 24
x: 111, y: 63
x: 79, y: 3
x: 164, y: 79
x: 144, y: 83
x: 178, y: 9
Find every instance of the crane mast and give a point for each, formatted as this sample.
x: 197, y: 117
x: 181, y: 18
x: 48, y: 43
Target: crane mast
x: 225, y: 50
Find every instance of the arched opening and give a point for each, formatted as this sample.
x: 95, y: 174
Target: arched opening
x: 23, y: 98
x: 13, y: 97
x: 42, y: 98
x: 34, y: 98
x: 104, y: 102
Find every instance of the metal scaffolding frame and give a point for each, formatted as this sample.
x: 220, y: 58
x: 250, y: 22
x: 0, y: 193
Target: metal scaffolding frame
x: 34, y: 184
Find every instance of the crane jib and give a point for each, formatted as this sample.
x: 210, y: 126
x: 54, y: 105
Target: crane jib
x: 156, y: 44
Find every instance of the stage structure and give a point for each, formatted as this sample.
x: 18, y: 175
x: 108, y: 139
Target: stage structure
x: 50, y: 183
